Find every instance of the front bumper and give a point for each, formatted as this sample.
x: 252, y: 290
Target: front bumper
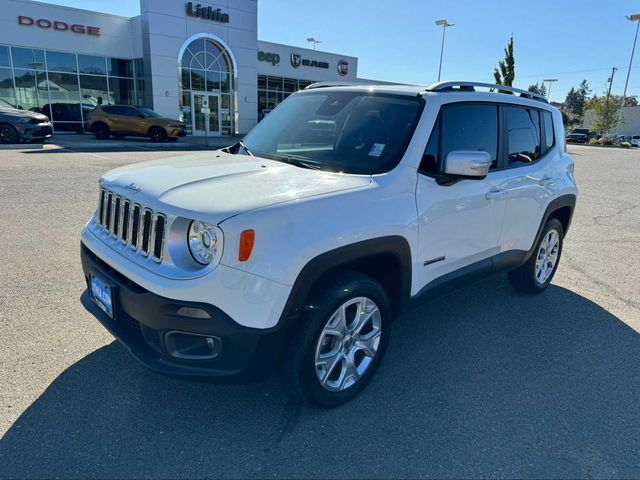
x: 37, y: 131
x: 142, y: 319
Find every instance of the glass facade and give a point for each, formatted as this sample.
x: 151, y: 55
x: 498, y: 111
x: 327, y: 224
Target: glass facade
x: 206, y: 81
x: 64, y: 86
x: 273, y: 90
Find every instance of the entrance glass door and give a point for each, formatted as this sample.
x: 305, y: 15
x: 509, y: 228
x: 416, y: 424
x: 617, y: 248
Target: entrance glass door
x: 205, y: 113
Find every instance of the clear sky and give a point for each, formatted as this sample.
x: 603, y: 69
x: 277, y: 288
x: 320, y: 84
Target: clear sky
x: 397, y: 40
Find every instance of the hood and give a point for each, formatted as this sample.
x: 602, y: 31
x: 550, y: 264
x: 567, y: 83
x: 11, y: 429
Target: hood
x: 214, y: 186
x: 14, y: 112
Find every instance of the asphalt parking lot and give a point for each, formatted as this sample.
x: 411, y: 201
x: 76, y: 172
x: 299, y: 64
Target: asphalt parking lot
x: 482, y: 382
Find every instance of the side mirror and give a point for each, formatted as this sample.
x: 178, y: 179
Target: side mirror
x: 473, y: 165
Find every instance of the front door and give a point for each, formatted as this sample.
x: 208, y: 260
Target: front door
x: 205, y: 113
x: 459, y: 224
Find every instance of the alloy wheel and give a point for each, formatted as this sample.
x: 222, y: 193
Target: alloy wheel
x: 547, y: 256
x: 348, y: 344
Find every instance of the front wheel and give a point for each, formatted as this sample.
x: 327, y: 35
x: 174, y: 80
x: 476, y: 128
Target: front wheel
x: 157, y: 134
x: 8, y: 134
x: 101, y: 131
x: 536, y: 275
x: 340, y: 340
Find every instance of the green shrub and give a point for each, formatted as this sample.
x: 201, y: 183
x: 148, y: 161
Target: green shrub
x: 606, y: 141
x: 593, y: 141
x: 625, y: 144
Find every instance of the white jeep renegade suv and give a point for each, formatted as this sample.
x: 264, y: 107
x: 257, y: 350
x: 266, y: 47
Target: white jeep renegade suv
x: 298, y: 246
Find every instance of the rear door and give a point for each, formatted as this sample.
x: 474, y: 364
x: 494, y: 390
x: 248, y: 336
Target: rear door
x: 460, y: 223
x: 530, y: 145
x: 136, y: 122
x: 115, y: 118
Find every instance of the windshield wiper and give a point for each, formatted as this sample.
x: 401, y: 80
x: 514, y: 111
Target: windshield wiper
x: 244, y: 147
x: 298, y: 162
x: 235, y: 148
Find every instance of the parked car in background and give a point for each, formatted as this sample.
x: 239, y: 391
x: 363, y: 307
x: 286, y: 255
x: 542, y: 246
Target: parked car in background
x: 67, y: 116
x: 635, y: 141
x: 125, y: 120
x: 577, y: 136
x: 22, y: 126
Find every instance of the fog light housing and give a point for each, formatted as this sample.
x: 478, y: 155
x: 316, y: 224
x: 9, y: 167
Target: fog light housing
x: 192, y: 346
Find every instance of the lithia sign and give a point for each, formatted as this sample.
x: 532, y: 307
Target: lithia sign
x: 206, y: 13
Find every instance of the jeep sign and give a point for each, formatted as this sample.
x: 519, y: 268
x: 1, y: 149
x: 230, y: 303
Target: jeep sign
x: 272, y: 58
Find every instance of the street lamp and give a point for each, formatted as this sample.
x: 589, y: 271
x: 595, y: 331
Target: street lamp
x: 632, y: 18
x: 444, y: 24
x: 550, y: 81
x: 314, y: 41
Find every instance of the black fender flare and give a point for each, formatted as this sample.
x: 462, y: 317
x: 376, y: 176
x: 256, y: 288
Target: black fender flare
x: 333, y: 260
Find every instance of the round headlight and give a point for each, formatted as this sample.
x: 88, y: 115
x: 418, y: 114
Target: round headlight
x: 203, y: 242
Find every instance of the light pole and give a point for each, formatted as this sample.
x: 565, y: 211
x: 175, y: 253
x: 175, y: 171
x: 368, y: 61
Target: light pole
x: 444, y: 24
x: 314, y: 41
x: 632, y: 18
x: 613, y: 73
x: 549, y: 81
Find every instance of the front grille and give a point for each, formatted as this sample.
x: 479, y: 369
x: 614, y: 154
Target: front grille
x: 132, y: 224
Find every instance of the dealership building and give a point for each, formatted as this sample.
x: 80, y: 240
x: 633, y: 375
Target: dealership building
x: 201, y: 62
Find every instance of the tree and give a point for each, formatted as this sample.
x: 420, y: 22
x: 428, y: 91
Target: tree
x: 571, y: 102
x: 631, y: 102
x: 506, y: 71
x: 605, y: 111
x: 538, y: 88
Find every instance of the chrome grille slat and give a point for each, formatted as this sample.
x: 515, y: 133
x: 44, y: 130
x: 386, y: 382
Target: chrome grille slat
x: 132, y: 225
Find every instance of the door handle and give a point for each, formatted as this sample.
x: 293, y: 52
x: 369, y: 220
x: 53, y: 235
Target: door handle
x: 495, y: 194
x: 546, y: 181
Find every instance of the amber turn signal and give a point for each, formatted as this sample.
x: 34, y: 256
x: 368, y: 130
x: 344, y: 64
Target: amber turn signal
x: 247, y: 238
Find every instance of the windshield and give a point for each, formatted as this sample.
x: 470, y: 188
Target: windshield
x: 149, y: 113
x: 5, y: 104
x: 350, y: 132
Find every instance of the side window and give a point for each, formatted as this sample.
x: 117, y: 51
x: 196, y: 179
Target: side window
x: 462, y: 127
x: 523, y: 135
x: 112, y: 110
x: 130, y: 112
x: 470, y: 127
x: 549, y: 133
x: 430, y: 158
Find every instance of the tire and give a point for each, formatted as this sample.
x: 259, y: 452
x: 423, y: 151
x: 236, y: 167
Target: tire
x: 157, y: 134
x: 8, y: 134
x: 333, y: 385
x: 532, y: 277
x: 101, y: 131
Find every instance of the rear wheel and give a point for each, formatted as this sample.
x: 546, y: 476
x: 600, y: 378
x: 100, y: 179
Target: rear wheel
x: 340, y: 340
x: 536, y: 275
x: 157, y: 134
x: 8, y: 134
x: 101, y: 131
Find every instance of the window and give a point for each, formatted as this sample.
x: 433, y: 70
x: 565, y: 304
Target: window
x: 27, y: 58
x: 112, y: 110
x: 92, y: 65
x: 119, y: 67
x: 4, y: 56
x: 61, y: 62
x: 351, y: 132
x: 130, y: 112
x: 523, y: 135
x: 548, y: 130
x: 6, y: 86
x: 429, y: 162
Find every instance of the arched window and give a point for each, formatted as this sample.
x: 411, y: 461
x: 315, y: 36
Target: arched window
x: 206, y: 65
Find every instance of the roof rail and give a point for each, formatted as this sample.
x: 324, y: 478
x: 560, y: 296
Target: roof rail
x: 332, y: 84
x: 470, y: 86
